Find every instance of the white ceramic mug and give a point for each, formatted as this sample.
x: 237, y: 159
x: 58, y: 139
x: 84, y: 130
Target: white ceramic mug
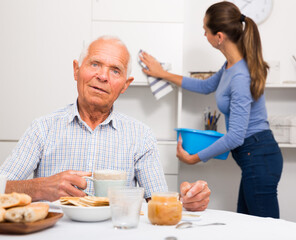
x: 104, y: 179
x: 2, y: 184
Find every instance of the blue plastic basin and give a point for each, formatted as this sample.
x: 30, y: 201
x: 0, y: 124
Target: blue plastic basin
x: 196, y: 140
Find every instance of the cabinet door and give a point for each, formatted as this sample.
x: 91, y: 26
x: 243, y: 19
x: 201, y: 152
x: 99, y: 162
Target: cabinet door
x: 39, y: 40
x: 172, y: 182
x: 168, y: 158
x: 138, y: 10
x: 162, y: 40
x: 160, y: 116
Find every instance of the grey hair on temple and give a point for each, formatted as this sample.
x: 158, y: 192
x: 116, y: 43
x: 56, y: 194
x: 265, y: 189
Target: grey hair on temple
x: 84, y: 51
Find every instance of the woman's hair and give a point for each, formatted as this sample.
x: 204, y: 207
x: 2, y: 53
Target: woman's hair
x: 226, y: 17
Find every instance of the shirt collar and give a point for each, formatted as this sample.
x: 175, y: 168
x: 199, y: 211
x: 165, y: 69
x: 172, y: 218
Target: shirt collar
x: 74, y: 114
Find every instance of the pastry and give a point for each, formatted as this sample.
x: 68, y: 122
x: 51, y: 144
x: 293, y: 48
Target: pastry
x: 14, y: 200
x: 30, y: 213
x: 2, y: 213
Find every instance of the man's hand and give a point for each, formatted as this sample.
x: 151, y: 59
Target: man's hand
x: 53, y: 187
x: 65, y: 184
x: 195, y: 196
x: 184, y: 156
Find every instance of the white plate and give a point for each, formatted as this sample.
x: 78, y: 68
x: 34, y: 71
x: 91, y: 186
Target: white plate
x: 85, y: 214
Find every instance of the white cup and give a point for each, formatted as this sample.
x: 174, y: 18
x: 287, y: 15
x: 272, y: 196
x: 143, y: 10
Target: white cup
x: 104, y: 179
x: 125, y: 203
x: 2, y: 184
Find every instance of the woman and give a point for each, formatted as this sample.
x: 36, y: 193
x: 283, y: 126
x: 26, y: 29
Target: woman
x: 239, y: 87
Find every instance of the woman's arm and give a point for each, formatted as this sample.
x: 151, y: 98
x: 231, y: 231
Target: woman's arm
x: 238, y: 119
x: 155, y: 69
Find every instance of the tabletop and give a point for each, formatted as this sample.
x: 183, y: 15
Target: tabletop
x: 238, y: 226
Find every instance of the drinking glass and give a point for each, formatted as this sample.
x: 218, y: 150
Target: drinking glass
x: 125, y: 203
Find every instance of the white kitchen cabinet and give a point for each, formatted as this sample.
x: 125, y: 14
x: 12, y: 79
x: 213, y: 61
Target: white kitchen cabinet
x: 138, y: 10
x: 138, y: 102
x: 172, y: 182
x: 158, y: 39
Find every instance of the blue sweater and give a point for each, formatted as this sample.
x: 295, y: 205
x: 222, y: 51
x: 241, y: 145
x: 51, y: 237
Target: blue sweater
x: 243, y: 115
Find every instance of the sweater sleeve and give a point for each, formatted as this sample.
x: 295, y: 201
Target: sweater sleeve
x: 240, y: 107
x: 206, y: 86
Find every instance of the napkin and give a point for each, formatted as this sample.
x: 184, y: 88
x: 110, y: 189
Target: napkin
x: 159, y: 87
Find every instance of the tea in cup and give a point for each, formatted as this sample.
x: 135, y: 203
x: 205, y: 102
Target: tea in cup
x: 106, y: 178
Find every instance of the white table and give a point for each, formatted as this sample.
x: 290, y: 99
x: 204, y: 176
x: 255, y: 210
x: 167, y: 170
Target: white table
x: 238, y: 227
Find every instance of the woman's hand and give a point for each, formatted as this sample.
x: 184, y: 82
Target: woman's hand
x: 184, y: 156
x: 155, y: 70
x: 154, y: 67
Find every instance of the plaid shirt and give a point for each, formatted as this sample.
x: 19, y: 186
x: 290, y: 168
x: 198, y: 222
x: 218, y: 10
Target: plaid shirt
x: 62, y: 141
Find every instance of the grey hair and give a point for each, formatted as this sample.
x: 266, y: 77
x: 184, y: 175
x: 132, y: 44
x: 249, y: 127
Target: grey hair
x: 85, y: 49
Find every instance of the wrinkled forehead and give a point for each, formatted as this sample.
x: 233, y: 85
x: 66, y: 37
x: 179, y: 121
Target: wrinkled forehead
x: 110, y: 50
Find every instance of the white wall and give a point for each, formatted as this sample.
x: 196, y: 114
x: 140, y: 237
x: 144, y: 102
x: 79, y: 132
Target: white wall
x: 278, y: 39
x: 39, y: 40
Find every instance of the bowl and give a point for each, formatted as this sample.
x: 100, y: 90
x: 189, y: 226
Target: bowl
x: 85, y: 214
x: 193, y: 140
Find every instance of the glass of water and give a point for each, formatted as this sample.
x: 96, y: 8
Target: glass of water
x: 125, y: 203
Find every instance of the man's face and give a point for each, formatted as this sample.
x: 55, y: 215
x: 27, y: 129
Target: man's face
x: 102, y: 76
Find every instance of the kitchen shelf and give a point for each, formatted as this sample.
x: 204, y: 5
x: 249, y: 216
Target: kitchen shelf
x: 281, y: 85
x: 139, y: 84
x: 287, y: 145
x: 166, y: 142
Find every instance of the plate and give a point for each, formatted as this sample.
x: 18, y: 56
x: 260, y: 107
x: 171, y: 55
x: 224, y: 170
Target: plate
x: 24, y: 228
x: 85, y: 214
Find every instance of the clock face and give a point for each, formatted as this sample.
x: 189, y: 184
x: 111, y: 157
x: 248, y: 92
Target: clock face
x: 258, y: 10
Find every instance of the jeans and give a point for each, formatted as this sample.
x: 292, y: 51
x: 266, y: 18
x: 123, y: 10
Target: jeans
x: 261, y: 162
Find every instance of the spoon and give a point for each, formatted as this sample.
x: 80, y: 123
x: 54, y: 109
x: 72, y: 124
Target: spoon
x: 184, y: 225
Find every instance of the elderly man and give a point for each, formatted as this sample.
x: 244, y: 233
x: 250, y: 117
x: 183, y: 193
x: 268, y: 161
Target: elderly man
x: 72, y: 142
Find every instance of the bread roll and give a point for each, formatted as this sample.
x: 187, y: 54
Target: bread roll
x: 2, y: 213
x: 29, y: 213
x: 14, y: 200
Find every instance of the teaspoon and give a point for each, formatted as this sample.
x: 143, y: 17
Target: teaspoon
x: 184, y: 225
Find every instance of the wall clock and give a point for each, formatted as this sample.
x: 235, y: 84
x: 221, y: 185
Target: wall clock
x: 258, y: 10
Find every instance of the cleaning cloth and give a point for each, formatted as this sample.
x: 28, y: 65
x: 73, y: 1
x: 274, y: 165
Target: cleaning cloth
x: 158, y: 86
